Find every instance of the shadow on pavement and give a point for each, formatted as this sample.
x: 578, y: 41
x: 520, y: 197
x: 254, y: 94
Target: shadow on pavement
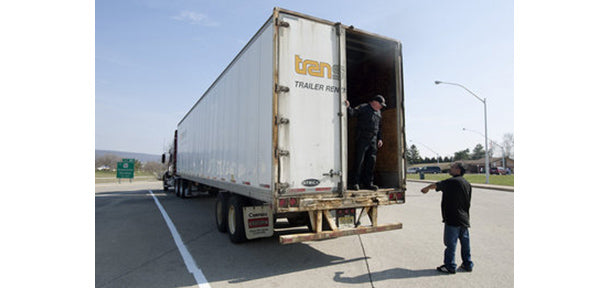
x: 395, y: 273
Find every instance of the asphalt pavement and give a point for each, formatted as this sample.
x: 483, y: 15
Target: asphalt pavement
x: 135, y: 246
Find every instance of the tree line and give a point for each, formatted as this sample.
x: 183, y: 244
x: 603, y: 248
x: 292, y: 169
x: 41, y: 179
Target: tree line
x: 413, y: 156
x: 506, y: 149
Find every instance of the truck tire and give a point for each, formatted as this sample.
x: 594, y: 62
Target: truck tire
x: 178, y: 184
x: 221, y: 208
x: 187, y: 189
x: 184, y: 188
x: 236, y: 229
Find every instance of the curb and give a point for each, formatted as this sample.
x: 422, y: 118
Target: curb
x: 475, y: 185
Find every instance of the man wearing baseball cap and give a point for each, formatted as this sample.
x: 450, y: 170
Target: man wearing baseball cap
x: 456, y: 200
x: 368, y: 141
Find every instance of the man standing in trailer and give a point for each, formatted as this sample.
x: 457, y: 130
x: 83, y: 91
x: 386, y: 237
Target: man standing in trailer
x: 368, y: 141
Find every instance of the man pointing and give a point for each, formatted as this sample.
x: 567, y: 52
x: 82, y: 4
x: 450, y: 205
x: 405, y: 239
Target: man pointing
x: 456, y: 199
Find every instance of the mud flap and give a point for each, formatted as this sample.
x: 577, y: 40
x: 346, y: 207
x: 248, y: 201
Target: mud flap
x: 258, y: 221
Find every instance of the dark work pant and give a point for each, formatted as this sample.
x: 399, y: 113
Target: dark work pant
x: 451, y: 235
x: 365, y: 159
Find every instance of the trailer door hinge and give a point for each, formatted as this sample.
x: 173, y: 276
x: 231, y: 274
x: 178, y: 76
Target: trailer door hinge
x: 279, y: 88
x: 280, y: 153
x: 280, y: 23
x: 281, y: 120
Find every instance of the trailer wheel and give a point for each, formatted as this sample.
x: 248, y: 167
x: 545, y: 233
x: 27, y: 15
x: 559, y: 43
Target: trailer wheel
x: 221, y: 203
x: 184, y: 188
x: 236, y: 230
x: 187, y: 189
x: 176, y: 185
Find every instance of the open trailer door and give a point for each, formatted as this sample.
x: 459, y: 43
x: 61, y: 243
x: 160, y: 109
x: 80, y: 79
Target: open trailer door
x: 310, y: 114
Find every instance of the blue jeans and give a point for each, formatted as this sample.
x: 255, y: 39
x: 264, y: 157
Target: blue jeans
x: 451, y: 234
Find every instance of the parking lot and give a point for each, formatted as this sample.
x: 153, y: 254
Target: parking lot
x: 135, y: 246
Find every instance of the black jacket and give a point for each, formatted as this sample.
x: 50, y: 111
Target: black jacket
x: 368, y: 121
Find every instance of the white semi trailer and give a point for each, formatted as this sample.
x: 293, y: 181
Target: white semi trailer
x: 272, y: 138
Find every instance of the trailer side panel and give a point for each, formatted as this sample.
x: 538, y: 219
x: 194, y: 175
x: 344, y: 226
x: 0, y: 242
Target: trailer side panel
x: 225, y: 140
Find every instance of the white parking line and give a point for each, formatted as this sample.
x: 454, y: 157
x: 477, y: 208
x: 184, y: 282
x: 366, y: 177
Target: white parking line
x: 191, y: 265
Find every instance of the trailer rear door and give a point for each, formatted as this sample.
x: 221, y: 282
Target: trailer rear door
x: 310, y: 133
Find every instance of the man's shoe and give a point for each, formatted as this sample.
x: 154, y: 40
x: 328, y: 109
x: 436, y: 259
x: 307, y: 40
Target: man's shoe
x: 445, y: 269
x: 354, y: 187
x: 372, y: 187
x: 466, y: 269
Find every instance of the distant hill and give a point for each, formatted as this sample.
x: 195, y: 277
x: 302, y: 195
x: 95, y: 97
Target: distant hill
x: 139, y: 156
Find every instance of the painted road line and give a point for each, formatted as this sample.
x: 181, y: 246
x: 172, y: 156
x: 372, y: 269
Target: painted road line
x: 188, y: 260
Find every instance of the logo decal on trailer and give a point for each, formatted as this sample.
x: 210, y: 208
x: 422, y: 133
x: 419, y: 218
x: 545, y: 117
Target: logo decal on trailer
x: 318, y: 68
x: 310, y: 182
x: 313, y: 68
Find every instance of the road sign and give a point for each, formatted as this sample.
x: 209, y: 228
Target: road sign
x: 125, y: 168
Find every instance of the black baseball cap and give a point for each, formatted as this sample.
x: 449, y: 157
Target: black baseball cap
x: 379, y: 98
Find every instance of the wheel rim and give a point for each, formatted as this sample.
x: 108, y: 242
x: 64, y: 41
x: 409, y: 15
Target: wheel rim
x: 231, y: 219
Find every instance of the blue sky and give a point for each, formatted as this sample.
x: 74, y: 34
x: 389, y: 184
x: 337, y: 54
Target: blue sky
x: 154, y: 59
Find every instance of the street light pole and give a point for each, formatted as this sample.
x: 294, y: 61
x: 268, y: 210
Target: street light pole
x: 486, y: 164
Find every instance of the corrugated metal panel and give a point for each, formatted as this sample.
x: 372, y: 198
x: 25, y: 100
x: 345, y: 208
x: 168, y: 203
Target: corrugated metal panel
x: 227, y: 136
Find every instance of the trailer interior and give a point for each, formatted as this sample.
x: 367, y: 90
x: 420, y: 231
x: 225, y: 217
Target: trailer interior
x: 371, y: 70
